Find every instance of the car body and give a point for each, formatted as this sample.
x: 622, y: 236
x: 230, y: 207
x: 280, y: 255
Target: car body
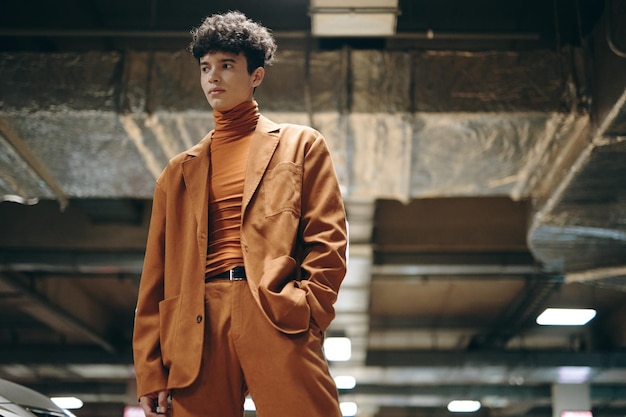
x: 19, y: 401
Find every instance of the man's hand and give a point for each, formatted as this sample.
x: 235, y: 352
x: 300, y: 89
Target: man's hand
x: 155, y: 404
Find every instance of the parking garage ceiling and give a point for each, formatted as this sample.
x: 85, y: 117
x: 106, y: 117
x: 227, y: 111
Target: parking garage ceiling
x: 481, y: 150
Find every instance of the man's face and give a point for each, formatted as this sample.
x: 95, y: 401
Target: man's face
x: 225, y: 79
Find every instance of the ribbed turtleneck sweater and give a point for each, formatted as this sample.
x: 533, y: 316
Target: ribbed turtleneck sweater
x: 229, y: 154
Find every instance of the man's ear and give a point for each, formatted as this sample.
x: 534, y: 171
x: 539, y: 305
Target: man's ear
x: 257, y: 76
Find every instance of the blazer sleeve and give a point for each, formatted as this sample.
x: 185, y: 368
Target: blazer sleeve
x: 323, y: 233
x: 150, y: 372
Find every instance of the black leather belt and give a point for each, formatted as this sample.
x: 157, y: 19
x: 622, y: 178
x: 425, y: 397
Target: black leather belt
x: 238, y: 273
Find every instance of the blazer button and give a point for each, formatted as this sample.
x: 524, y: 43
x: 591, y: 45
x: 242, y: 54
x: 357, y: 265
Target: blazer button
x: 199, y: 319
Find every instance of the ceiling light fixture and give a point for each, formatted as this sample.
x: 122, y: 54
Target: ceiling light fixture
x: 353, y: 17
x: 338, y: 349
x: 345, y: 382
x: 573, y: 374
x: 566, y: 316
x: 348, y: 409
x: 463, y: 406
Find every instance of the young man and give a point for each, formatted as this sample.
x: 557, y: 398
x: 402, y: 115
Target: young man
x: 245, y: 253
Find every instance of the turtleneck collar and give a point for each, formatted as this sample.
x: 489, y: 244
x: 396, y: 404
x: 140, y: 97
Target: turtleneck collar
x: 237, y: 122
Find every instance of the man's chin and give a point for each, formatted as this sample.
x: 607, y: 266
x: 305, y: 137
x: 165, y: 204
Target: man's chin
x: 219, y: 105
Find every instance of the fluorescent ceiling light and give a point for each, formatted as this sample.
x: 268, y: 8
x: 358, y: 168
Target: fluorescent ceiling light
x: 67, y: 403
x: 338, y: 349
x: 566, y: 316
x: 348, y: 409
x: 463, y: 406
x: 345, y: 382
x: 574, y: 374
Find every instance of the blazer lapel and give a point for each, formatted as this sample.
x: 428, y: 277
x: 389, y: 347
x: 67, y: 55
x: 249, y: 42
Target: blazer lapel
x: 196, y: 175
x: 262, y: 146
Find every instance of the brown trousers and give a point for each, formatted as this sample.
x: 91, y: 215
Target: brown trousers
x: 286, y: 375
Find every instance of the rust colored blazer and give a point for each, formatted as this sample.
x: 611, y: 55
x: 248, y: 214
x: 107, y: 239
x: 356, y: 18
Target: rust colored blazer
x: 293, y: 237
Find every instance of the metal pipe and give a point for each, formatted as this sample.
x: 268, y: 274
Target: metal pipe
x: 164, y: 34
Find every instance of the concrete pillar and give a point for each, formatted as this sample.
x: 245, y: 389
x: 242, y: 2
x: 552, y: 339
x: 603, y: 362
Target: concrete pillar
x: 570, y: 397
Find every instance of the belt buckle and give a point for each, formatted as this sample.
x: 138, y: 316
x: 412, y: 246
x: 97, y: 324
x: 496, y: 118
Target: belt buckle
x: 232, y: 277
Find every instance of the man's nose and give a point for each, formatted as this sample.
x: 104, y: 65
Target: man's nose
x: 214, y: 76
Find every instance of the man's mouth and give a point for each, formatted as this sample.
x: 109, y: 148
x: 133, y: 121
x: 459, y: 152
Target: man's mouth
x: 215, y: 91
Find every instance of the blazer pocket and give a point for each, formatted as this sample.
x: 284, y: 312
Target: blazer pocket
x: 283, y: 188
x: 281, y: 298
x: 169, y: 313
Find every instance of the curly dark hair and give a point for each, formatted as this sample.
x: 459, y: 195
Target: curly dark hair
x: 234, y: 32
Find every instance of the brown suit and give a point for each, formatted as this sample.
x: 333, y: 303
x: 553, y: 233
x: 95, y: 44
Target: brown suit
x: 293, y: 237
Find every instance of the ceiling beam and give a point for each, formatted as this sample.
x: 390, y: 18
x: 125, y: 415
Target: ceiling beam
x: 518, y: 315
x: 517, y: 392
x: 53, y: 388
x: 408, y: 360
x: 72, y: 262
x: 421, y: 358
x: 496, y: 397
x: 63, y: 355
x: 449, y: 269
x: 42, y: 309
x: 294, y: 34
